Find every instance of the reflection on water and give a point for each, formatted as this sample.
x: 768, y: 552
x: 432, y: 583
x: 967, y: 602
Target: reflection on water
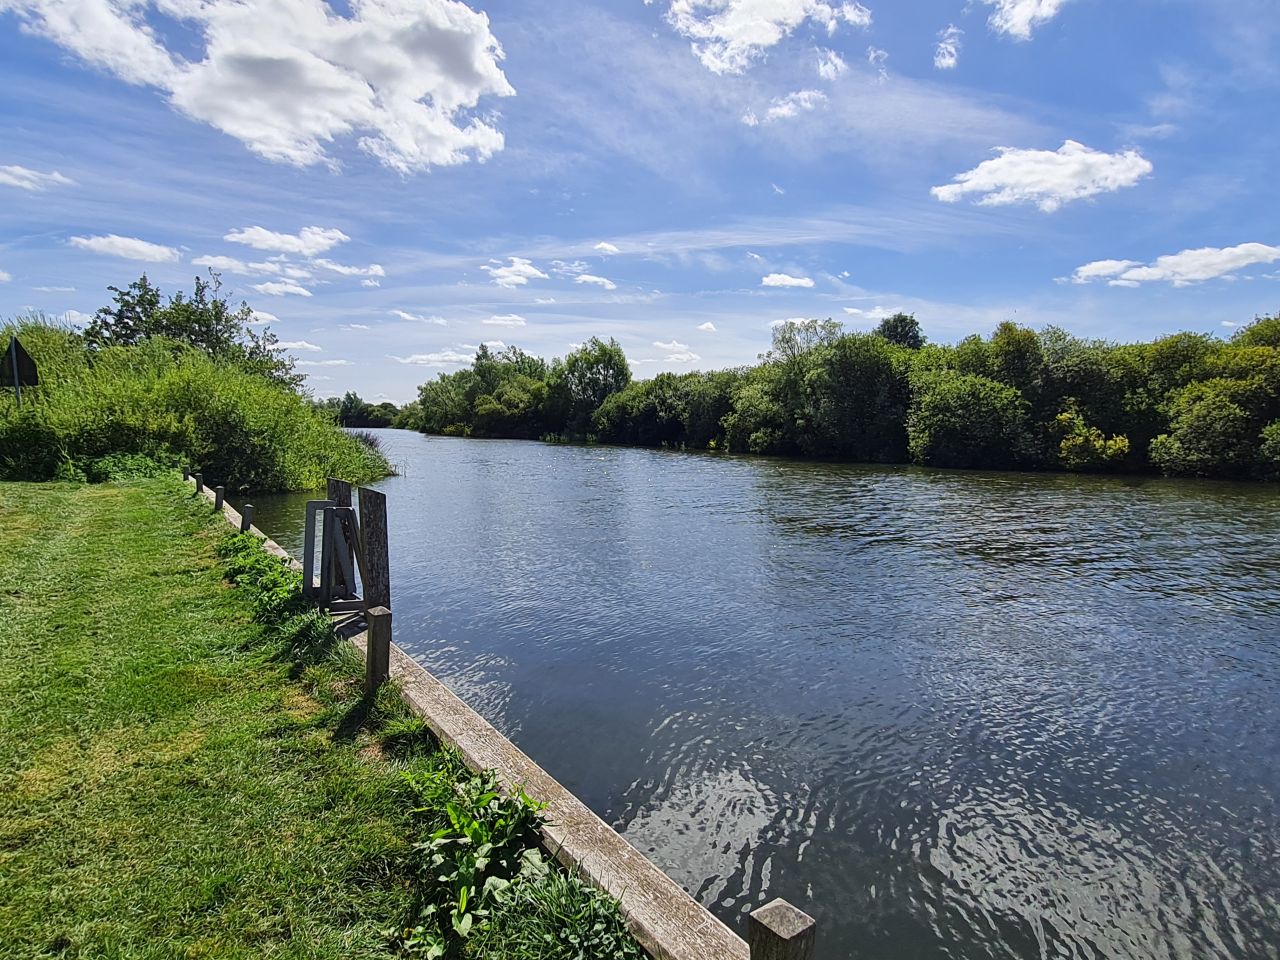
x: 951, y: 714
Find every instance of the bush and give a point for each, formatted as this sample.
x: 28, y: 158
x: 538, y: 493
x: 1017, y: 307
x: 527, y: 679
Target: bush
x: 963, y: 420
x: 130, y: 410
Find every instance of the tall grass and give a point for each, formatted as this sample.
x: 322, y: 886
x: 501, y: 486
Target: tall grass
x: 164, y: 403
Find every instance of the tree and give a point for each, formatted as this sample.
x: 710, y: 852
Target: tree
x: 902, y: 329
x: 963, y: 420
x: 1263, y: 332
x: 582, y: 381
x: 205, y: 320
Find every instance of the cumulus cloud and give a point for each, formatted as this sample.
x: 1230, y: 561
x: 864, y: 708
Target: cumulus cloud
x: 785, y: 280
x: 443, y: 358
x: 288, y: 77
x: 505, y: 320
x: 261, y: 318
x: 831, y: 65
x: 370, y: 282
x: 707, y: 327
x: 5, y: 276
x: 607, y: 248
x: 1180, y: 269
x: 729, y: 35
x: 516, y: 273
x: 373, y: 270
x: 130, y: 248
x: 25, y: 178
x: 783, y: 323
x: 323, y: 363
x: 677, y: 352
x: 309, y: 241
x: 299, y: 345
x: 598, y: 281
x: 232, y: 265
x: 802, y: 101
x: 281, y: 288
x: 872, y: 313
x: 76, y: 317
x: 947, y: 53
x: 419, y: 318
x: 1047, y: 178
x: 1018, y: 18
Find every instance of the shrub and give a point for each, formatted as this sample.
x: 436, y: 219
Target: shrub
x: 963, y: 420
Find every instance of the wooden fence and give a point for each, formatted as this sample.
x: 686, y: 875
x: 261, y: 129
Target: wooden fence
x: 661, y: 914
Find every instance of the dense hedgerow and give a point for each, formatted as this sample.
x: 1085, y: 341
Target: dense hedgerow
x: 1185, y: 404
x: 122, y: 411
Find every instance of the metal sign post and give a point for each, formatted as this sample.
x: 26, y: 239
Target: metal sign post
x: 19, y: 369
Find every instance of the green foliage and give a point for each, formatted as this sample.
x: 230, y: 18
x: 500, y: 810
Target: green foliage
x: 103, y: 412
x: 902, y: 329
x: 351, y: 411
x: 964, y: 420
x: 1185, y: 403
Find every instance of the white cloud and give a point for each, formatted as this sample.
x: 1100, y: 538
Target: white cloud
x: 778, y: 190
x: 299, y: 345
x: 1230, y: 323
x: 598, y: 281
x: 873, y: 313
x: 672, y: 345
x: 419, y: 318
x: 785, y: 280
x: 354, y: 326
x: 544, y: 300
x: 26, y: 179
x: 947, y: 53
x: 55, y: 289
x: 131, y: 248
x: 278, y: 288
x: 780, y: 323
x: 1180, y: 269
x: 831, y: 65
x: 515, y: 274
x: 76, y: 317
x: 323, y: 363
x: 232, y: 265
x: 444, y: 358
x: 607, y: 248
x: 728, y: 35
x: 373, y: 270
x: 370, y: 282
x: 288, y: 77
x: 802, y: 101
x: 505, y: 320
x: 878, y: 58
x: 261, y: 318
x: 309, y: 241
x: 1047, y: 178
x: 707, y: 327
x: 679, y: 352
x: 1018, y: 18
x: 5, y: 276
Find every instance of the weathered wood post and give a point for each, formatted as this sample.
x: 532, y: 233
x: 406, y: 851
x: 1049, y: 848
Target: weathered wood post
x: 199, y: 482
x: 377, y: 660
x: 186, y: 473
x: 373, y: 545
x: 219, y: 495
x: 779, y: 931
x: 246, y: 517
x: 339, y: 491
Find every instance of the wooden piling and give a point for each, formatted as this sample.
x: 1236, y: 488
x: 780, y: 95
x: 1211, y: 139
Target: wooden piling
x: 377, y: 664
x: 246, y: 517
x: 186, y: 473
x: 219, y: 495
x: 339, y: 491
x: 779, y: 931
x: 376, y: 571
x: 199, y: 482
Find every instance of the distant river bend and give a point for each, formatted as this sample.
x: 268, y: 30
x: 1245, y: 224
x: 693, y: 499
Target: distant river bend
x: 951, y: 714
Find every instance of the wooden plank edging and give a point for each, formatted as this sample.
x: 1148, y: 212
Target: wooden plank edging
x: 660, y: 914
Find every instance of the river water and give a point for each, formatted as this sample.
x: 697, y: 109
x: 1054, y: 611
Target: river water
x: 949, y: 714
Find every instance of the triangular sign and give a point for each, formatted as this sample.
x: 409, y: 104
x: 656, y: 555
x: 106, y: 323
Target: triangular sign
x: 17, y: 358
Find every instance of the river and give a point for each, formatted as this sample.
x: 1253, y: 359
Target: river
x: 950, y: 714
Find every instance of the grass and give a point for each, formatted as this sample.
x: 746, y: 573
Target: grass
x: 188, y: 769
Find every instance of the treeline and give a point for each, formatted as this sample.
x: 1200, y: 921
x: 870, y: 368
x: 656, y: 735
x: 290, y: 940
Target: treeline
x: 351, y: 411
x: 1186, y: 404
x: 152, y: 383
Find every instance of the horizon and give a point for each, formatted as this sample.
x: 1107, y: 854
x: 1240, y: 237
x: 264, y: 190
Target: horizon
x: 676, y: 175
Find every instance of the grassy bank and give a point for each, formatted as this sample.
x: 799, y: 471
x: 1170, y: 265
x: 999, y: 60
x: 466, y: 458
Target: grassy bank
x: 187, y: 767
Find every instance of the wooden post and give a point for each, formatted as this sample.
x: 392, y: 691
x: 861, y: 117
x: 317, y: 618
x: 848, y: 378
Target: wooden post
x: 779, y: 931
x: 373, y: 545
x: 219, y: 495
x: 377, y: 663
x: 246, y: 517
x: 339, y: 491
x: 186, y: 473
x: 199, y: 482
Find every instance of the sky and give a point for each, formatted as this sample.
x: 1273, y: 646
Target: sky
x: 390, y: 183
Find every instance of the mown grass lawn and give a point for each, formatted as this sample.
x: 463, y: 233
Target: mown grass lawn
x: 174, y: 782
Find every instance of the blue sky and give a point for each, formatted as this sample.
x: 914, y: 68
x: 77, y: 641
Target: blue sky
x: 391, y: 182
